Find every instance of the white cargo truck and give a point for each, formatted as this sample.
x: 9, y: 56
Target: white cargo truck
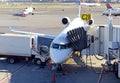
x: 21, y: 46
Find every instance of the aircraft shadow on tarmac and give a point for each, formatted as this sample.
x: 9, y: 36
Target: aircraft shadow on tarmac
x: 19, y: 15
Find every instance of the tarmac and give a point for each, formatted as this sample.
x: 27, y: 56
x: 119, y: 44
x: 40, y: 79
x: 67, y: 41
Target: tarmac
x: 48, y: 21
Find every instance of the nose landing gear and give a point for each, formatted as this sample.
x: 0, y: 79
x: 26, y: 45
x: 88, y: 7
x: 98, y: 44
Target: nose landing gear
x: 57, y: 67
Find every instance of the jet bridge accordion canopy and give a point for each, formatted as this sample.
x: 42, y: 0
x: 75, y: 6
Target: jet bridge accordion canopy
x: 78, y: 38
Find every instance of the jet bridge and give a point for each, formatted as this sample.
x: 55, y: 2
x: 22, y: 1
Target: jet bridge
x: 98, y: 40
x: 78, y: 39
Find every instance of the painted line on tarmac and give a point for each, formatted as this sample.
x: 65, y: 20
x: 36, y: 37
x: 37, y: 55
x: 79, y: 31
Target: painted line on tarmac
x: 40, y: 12
x: 14, y: 72
x: 43, y: 70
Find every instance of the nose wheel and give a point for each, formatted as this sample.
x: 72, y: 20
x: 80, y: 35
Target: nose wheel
x: 57, y: 67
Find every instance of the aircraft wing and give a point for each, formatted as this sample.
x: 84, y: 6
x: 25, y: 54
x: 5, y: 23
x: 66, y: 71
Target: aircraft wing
x: 31, y: 33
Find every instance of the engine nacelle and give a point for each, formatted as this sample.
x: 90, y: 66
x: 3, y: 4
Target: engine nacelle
x: 90, y: 22
x: 65, y: 20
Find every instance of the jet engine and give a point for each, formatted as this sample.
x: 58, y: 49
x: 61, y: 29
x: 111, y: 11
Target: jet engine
x: 90, y: 22
x: 66, y: 20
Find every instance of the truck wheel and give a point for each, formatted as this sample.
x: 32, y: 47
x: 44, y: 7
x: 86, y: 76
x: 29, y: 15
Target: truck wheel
x: 27, y: 59
x: 11, y: 60
x: 38, y: 62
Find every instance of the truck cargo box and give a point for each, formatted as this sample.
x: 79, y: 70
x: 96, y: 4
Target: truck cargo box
x: 15, y: 44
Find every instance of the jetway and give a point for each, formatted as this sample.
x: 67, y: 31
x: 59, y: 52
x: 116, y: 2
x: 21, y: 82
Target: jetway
x: 97, y: 40
x: 78, y: 37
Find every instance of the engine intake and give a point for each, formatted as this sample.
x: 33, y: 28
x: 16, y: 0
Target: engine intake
x: 65, y: 20
x: 90, y: 22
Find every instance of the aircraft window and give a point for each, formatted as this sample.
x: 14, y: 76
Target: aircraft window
x: 59, y: 46
x: 62, y: 46
x: 55, y: 45
x: 65, y: 46
x: 68, y: 45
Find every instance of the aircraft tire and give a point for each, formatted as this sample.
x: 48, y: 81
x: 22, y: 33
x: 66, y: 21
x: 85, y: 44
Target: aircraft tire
x: 32, y: 13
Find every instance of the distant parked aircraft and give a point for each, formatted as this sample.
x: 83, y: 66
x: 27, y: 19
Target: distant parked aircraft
x: 28, y: 10
x: 114, y: 11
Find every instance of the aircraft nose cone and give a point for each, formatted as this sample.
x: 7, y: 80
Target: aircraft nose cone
x: 60, y: 56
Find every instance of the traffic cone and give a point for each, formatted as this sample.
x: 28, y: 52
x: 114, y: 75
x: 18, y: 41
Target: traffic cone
x: 53, y: 78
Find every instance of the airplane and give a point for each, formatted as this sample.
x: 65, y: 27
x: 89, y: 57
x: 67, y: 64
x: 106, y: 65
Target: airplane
x: 114, y: 11
x: 28, y: 10
x: 61, y: 48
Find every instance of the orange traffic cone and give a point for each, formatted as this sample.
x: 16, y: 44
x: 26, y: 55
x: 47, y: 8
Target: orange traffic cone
x: 53, y: 78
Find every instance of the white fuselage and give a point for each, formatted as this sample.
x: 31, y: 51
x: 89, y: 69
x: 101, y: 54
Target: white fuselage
x: 28, y: 10
x: 61, y: 49
x: 114, y: 11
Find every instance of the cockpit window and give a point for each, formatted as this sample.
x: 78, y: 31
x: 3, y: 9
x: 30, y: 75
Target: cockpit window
x: 61, y: 46
x: 55, y: 46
